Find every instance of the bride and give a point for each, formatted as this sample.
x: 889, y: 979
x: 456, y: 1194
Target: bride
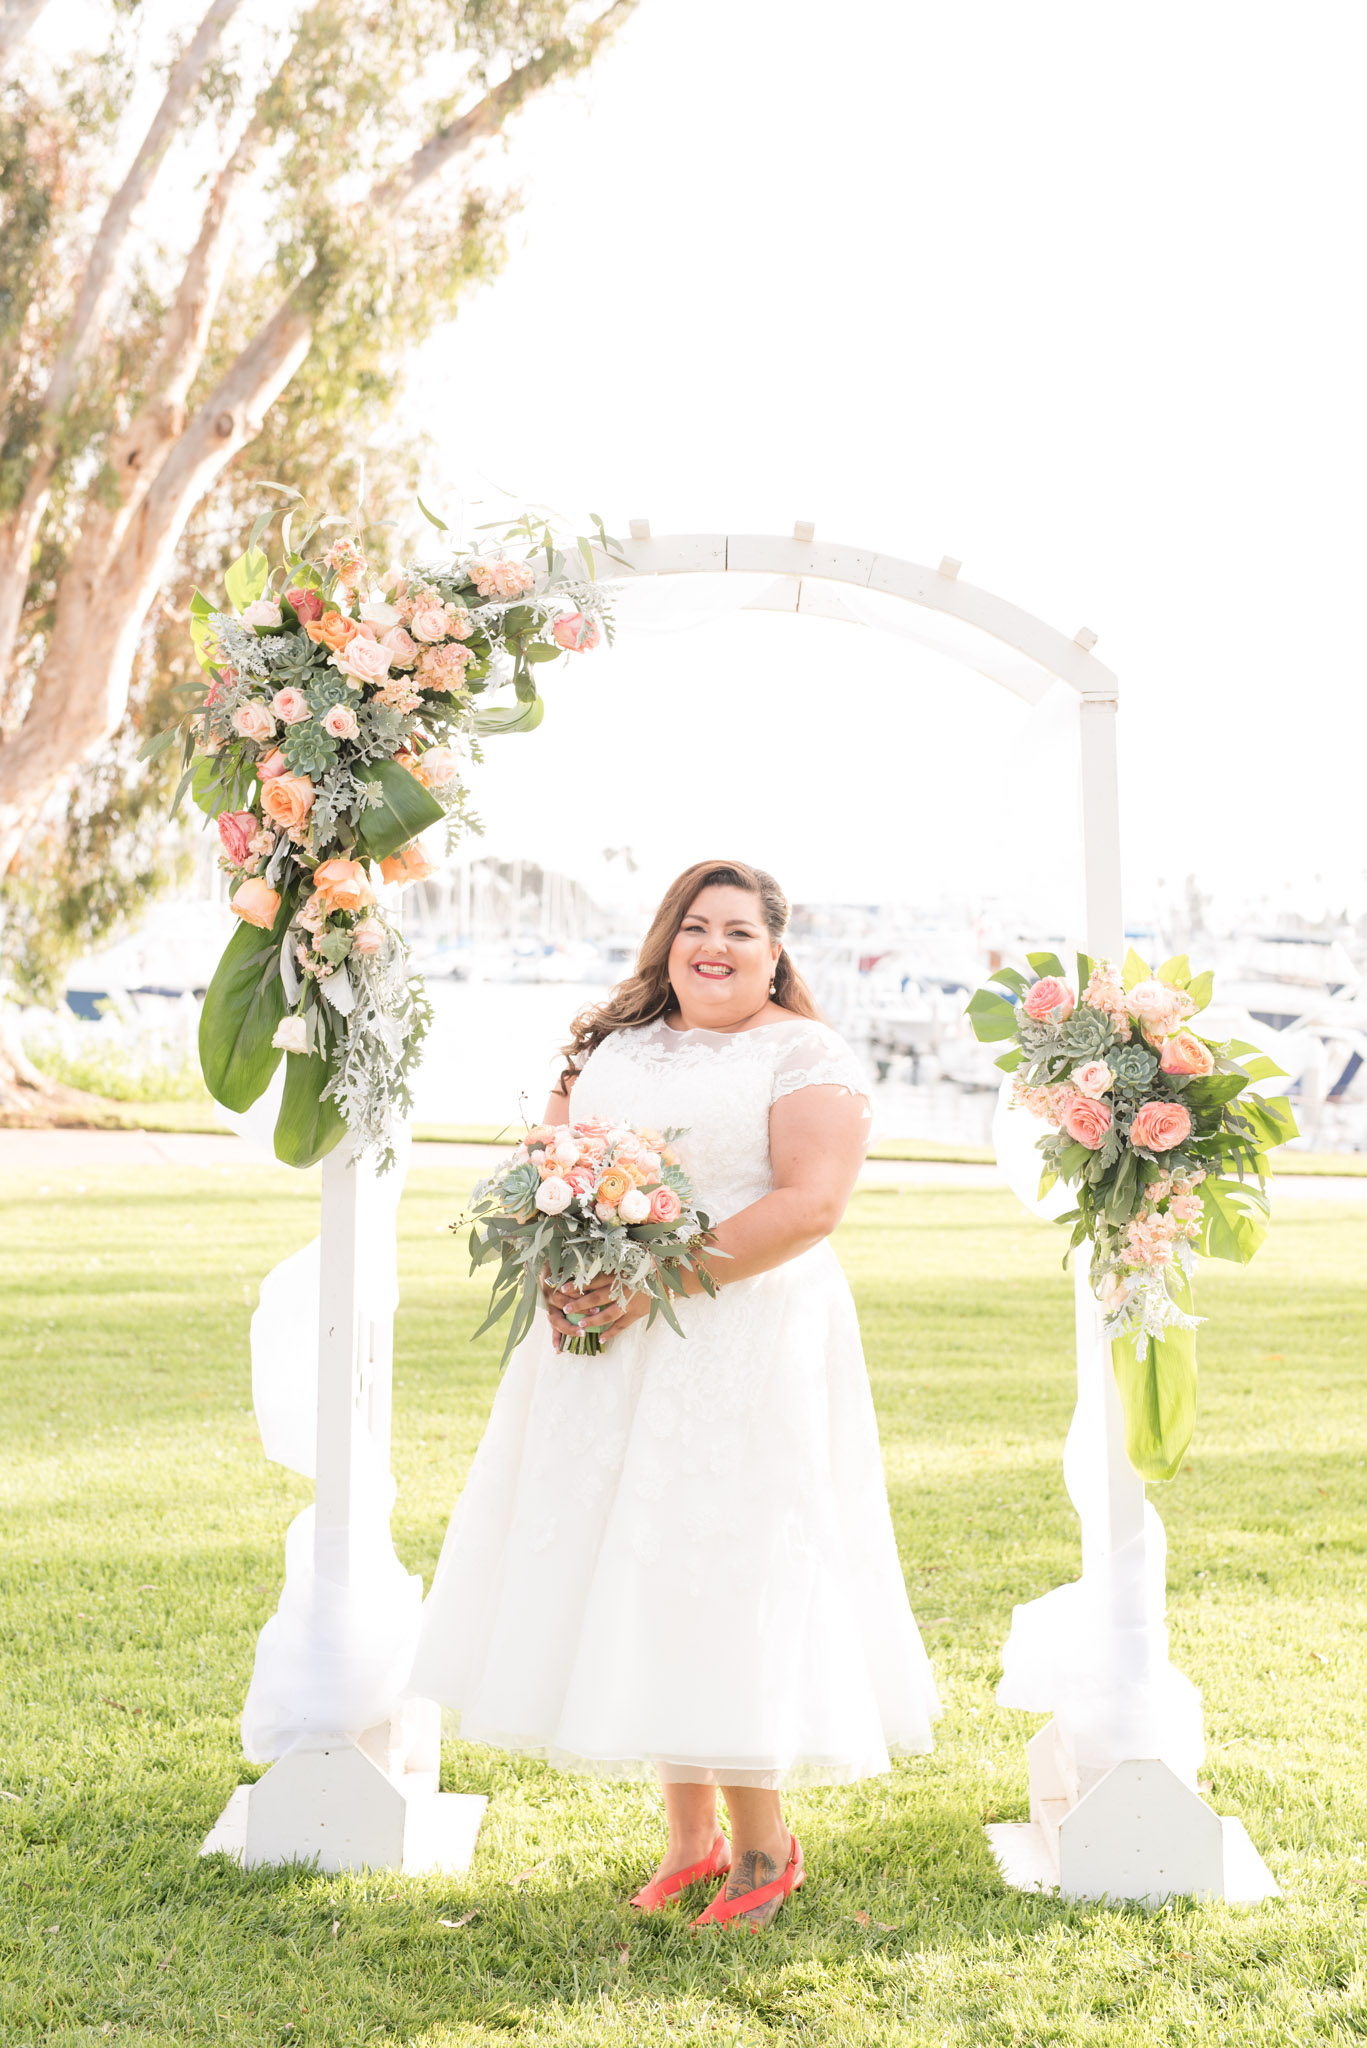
x: 677, y: 1557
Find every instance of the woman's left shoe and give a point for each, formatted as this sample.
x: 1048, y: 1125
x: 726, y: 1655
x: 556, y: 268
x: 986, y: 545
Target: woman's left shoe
x: 723, y: 1909
x: 660, y: 1890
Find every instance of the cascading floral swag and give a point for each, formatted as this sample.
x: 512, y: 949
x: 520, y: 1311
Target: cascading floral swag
x: 335, y: 727
x: 1149, y: 1121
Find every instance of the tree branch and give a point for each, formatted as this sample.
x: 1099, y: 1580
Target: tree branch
x: 16, y: 19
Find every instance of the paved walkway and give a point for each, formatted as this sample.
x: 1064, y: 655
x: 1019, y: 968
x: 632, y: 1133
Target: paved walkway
x: 61, y: 1151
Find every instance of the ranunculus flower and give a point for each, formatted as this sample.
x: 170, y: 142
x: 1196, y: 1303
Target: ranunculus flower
x: 333, y: 630
x: 1185, y: 1053
x: 1087, y: 1121
x: 365, y: 659
x: 409, y: 864
x: 256, y: 902
x: 308, y: 604
x: 1046, y: 996
x: 237, y: 829
x: 291, y: 1035
x: 274, y: 764
x: 440, y: 766
x: 554, y: 1195
x: 664, y: 1205
x: 403, y: 648
x: 253, y: 722
x: 263, y: 612
x: 429, y: 621
x: 613, y: 1185
x: 1093, y: 1079
x: 342, y: 885
x: 368, y: 937
x: 290, y: 705
x: 287, y: 798
x: 381, y: 616
x: 340, y: 721
x: 1158, y: 1126
x: 576, y: 634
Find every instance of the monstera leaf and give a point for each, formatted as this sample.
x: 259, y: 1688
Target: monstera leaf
x: 1158, y: 1395
x: 243, y: 1006
x: 405, y: 809
x: 309, y: 1125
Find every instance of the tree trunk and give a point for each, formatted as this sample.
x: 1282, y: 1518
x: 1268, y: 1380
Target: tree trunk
x: 30, y: 1101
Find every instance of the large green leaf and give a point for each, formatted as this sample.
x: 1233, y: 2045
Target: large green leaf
x: 1271, y: 1116
x: 406, y: 810
x: 512, y: 718
x: 1209, y: 1091
x: 308, y: 1125
x: 1201, y: 987
x: 1047, y: 963
x: 246, y: 579
x: 1234, y: 1223
x: 1176, y: 972
x: 1135, y: 970
x: 200, y: 613
x: 1158, y: 1395
x: 991, y: 1016
x: 243, y: 1006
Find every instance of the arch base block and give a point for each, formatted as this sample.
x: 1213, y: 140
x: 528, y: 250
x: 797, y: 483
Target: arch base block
x: 1138, y: 1836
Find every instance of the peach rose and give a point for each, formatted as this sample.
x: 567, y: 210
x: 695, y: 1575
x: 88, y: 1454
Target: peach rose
x: 287, y: 798
x: 274, y: 764
x: 1159, y: 1006
x: 1087, y: 1121
x: 1046, y: 996
x: 429, y: 621
x: 366, y: 659
x: 253, y: 722
x: 308, y: 604
x: 403, y: 648
x: 333, y: 630
x: 341, y: 723
x: 368, y: 937
x: 1093, y: 1079
x: 342, y: 885
x: 576, y: 634
x: 409, y: 864
x: 1158, y: 1126
x: 440, y: 766
x: 664, y: 1205
x: 405, y: 759
x: 1185, y: 1053
x: 257, y: 903
x: 290, y: 705
x: 237, y: 829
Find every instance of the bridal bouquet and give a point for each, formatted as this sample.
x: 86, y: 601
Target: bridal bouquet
x: 1153, y: 1126
x: 580, y: 1201
x: 340, y: 709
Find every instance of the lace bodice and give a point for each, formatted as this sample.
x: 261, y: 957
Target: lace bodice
x: 719, y: 1087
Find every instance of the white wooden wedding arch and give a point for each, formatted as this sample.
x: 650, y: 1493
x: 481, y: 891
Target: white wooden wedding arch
x: 1113, y: 1802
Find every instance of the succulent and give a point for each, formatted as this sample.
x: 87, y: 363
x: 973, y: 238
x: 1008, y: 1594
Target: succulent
x: 1088, y: 1033
x: 1134, y: 1066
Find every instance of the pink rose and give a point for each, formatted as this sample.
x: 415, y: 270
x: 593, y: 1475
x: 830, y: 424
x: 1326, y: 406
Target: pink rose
x: 253, y: 722
x: 664, y: 1205
x: 366, y: 659
x: 257, y: 903
x: 403, y: 649
x: 1087, y: 1121
x: 367, y: 937
x: 264, y: 613
x: 429, y: 621
x: 580, y: 1178
x: 1185, y: 1053
x: 274, y: 764
x: 1046, y: 996
x: 290, y: 705
x: 576, y: 634
x: 237, y: 829
x: 1093, y: 1079
x: 1159, y: 1007
x: 1158, y: 1126
x: 308, y: 604
x: 439, y: 766
x: 341, y: 723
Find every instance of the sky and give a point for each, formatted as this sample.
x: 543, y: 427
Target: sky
x: 1070, y: 293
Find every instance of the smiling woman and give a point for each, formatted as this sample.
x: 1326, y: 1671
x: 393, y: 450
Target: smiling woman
x: 678, y: 1558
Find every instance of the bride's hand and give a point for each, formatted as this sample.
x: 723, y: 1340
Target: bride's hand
x: 593, y: 1308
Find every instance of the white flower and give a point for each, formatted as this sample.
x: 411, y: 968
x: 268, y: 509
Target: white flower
x: 291, y: 1035
x: 604, y: 1211
x: 264, y: 612
x: 565, y: 1152
x: 651, y: 1161
x: 553, y: 1195
x: 382, y: 616
x: 634, y: 1207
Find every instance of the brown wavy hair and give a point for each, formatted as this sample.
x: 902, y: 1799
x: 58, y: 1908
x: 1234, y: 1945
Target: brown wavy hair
x: 648, y: 994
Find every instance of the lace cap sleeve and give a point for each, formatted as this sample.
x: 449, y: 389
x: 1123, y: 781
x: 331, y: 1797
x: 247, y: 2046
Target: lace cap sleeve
x: 817, y: 1057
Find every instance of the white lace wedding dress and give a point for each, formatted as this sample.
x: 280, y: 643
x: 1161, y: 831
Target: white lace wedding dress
x: 678, y: 1555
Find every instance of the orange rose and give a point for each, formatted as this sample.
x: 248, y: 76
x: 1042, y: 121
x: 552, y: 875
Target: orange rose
x: 409, y: 864
x: 287, y: 798
x: 333, y: 630
x: 342, y: 885
x: 257, y: 902
x: 612, y: 1187
x: 414, y: 767
x: 1185, y: 1053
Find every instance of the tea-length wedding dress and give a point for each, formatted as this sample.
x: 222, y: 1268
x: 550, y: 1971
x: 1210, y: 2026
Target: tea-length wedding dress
x: 678, y: 1555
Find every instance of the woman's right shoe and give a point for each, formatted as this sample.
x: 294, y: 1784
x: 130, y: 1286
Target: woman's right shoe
x: 722, y: 1910
x: 660, y: 1890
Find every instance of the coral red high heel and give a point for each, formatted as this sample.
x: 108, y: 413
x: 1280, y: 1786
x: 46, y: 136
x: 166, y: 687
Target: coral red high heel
x: 715, y: 1863
x: 723, y: 1909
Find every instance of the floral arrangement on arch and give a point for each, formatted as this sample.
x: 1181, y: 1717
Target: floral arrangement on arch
x: 1154, y: 1127
x: 340, y: 714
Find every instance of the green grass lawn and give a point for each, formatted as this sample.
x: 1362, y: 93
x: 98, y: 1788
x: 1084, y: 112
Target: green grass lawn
x: 142, y: 1539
